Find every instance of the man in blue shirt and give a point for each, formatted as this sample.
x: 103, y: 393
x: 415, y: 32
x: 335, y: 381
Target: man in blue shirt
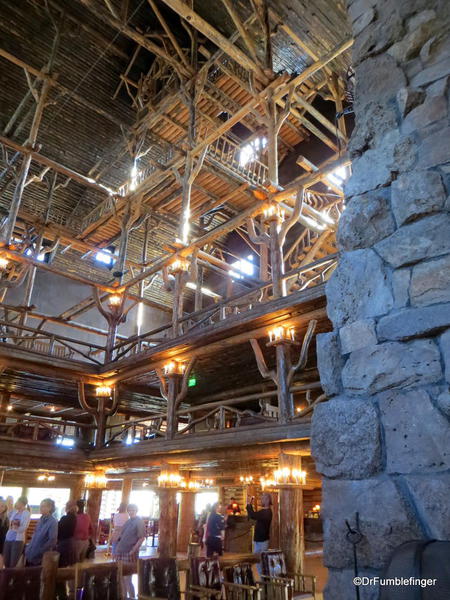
x: 45, y: 535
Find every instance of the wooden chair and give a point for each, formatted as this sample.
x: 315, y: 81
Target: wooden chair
x: 98, y: 581
x: 23, y: 583
x: 158, y: 579
x: 205, y: 581
x: 239, y: 583
x: 280, y: 585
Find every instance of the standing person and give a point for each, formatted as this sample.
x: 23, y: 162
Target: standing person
x: 10, y: 504
x: 118, y: 521
x: 4, y: 526
x: 83, y: 531
x: 66, y: 531
x: 263, y: 518
x: 45, y: 535
x: 214, y: 531
x: 15, y: 536
x: 202, y: 524
x: 233, y: 508
x: 127, y: 547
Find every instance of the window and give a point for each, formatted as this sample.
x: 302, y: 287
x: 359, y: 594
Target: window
x: 338, y: 176
x: 202, y: 499
x: 105, y: 257
x: 252, y: 150
x: 243, y: 267
x: 40, y: 257
x: 110, y: 503
x: 147, y: 502
x: 15, y: 492
x: 59, y: 495
x: 67, y: 442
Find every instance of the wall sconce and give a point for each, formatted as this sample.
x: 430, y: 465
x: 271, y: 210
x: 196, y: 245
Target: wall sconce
x: 281, y: 335
x: 95, y: 481
x: 46, y: 477
x: 174, y: 368
x: 114, y: 301
x: 274, y: 212
x: 179, y: 265
x: 103, y: 391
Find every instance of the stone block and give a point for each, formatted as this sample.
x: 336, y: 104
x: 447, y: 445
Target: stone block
x: 431, y: 495
x: 416, y: 433
x: 433, y: 109
x: 426, y: 238
x: 330, y: 363
x: 443, y: 403
x: 340, y: 585
x: 392, y: 365
x: 372, y: 125
x: 400, y: 287
x: 444, y: 344
x: 414, y: 322
x: 372, y: 81
x: 430, y: 282
x: 410, y: 45
x: 357, y: 335
x: 415, y: 194
x: 408, y: 98
x: 363, y: 21
x: 435, y: 148
x: 384, y: 517
x: 345, y: 438
x: 367, y: 219
x: 358, y: 288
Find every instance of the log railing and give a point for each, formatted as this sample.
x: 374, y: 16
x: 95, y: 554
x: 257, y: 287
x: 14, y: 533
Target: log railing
x: 315, y: 273
x: 40, y: 429
x: 221, y: 415
x: 47, y: 343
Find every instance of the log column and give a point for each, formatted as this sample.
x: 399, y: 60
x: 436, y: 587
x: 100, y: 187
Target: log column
x: 168, y: 520
x: 93, y: 509
x: 275, y: 526
x: 185, y: 520
x: 77, y: 487
x: 4, y: 401
x: 127, y: 486
x: 291, y: 518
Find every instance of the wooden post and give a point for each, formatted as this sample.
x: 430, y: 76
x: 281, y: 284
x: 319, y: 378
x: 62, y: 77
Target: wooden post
x: 291, y: 518
x: 173, y: 386
x: 4, y: 401
x: 48, y: 575
x: 93, y: 509
x: 276, y: 260
x: 127, y: 486
x: 185, y: 520
x: 177, y: 311
x: 101, y: 424
x: 168, y: 519
x: 77, y: 487
x: 275, y: 527
x: 7, y: 234
x: 285, y: 397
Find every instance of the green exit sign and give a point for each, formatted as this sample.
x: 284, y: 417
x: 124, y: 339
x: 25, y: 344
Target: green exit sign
x: 192, y: 381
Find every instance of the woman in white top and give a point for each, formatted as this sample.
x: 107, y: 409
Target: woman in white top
x: 119, y: 520
x: 15, y: 536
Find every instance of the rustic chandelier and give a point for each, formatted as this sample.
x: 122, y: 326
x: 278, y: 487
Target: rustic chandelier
x: 174, y: 367
x: 281, y: 335
x: 95, y: 481
x: 103, y: 391
x: 284, y: 478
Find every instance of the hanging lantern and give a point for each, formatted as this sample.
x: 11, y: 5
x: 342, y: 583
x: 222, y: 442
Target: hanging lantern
x: 179, y: 265
x: 274, y: 212
x: 95, y: 481
x: 174, y: 367
x: 281, y: 335
x: 103, y: 391
x: 114, y: 301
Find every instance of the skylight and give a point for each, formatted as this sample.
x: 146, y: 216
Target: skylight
x: 252, y: 150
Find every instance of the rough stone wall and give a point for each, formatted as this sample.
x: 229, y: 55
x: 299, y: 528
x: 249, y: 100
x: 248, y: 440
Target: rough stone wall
x: 382, y: 441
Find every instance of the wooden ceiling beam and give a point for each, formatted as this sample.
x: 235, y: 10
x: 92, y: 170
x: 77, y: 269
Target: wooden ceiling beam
x: 241, y: 29
x: 215, y: 36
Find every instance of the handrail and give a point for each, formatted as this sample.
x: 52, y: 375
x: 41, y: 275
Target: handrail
x: 49, y: 420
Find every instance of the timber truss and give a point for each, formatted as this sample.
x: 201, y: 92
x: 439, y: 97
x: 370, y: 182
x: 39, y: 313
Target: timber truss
x: 162, y: 204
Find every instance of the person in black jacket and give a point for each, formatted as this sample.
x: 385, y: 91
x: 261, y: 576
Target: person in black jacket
x: 4, y: 526
x: 214, y: 528
x: 263, y: 518
x: 66, y: 530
